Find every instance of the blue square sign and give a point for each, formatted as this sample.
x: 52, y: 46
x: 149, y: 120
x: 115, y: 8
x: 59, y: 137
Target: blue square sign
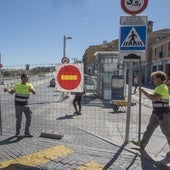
x: 132, y: 38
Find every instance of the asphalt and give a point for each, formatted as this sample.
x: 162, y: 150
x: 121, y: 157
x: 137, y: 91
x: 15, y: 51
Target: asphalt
x: 81, y: 152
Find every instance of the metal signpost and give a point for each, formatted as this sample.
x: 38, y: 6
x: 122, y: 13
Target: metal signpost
x: 132, y: 46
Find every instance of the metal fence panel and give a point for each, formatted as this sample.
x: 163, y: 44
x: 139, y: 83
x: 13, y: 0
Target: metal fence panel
x: 54, y: 114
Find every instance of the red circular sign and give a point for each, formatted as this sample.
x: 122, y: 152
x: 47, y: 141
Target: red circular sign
x: 134, y: 7
x: 1, y: 65
x: 69, y: 77
x: 65, y: 60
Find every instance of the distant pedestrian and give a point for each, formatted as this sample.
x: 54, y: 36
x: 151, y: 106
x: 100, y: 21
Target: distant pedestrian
x: 136, y: 83
x: 77, y: 100
x: 160, y: 114
x: 22, y: 91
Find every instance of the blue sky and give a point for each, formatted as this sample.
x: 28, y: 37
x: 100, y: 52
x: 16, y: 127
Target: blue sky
x: 31, y: 31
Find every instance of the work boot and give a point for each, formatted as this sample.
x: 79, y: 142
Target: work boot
x: 75, y: 113
x: 79, y: 113
x: 29, y: 135
x: 17, y: 135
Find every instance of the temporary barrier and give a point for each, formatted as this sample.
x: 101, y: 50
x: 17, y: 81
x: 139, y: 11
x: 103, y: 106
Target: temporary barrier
x: 53, y: 111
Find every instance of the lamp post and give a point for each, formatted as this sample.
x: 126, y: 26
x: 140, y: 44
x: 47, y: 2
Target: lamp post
x: 0, y: 100
x: 65, y: 59
x: 64, y: 45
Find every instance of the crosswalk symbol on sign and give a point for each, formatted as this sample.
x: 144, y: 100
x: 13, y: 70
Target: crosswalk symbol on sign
x: 133, y: 38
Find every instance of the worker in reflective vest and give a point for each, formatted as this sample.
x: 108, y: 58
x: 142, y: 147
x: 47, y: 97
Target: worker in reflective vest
x: 160, y: 114
x: 22, y: 92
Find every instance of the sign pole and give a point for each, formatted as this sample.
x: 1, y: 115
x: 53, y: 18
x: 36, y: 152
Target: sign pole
x: 133, y: 36
x: 140, y: 78
x: 129, y: 100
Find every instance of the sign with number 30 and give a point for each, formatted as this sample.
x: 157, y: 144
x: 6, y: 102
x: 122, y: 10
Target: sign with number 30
x: 134, y: 6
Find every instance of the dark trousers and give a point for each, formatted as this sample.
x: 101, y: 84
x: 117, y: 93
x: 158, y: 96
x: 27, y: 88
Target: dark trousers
x: 18, y: 111
x: 77, y: 99
x: 135, y: 88
x: 153, y: 124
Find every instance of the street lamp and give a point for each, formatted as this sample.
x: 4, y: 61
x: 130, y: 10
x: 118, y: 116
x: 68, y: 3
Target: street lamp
x: 64, y: 55
x: 64, y: 45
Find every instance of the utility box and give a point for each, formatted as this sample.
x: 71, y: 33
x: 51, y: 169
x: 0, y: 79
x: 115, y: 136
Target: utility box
x: 118, y: 89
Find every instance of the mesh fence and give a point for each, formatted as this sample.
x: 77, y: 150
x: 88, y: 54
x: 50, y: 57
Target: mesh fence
x: 53, y: 110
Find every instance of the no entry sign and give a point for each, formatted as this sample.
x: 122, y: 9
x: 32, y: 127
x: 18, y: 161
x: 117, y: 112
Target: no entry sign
x: 69, y: 77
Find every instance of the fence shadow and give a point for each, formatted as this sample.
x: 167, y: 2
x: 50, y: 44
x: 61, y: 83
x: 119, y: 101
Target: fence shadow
x: 12, y: 139
x: 20, y: 167
x: 108, y: 165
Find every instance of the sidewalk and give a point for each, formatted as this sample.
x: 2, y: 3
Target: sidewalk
x: 50, y: 154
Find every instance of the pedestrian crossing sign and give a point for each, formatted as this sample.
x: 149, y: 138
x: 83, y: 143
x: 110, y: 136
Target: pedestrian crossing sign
x: 132, y: 38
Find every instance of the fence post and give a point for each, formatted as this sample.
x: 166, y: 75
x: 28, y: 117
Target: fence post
x: 0, y: 120
x: 140, y: 78
x: 129, y: 100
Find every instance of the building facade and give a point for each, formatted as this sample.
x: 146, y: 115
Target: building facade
x: 154, y: 39
x: 156, y: 54
x: 161, y: 55
x: 89, y: 58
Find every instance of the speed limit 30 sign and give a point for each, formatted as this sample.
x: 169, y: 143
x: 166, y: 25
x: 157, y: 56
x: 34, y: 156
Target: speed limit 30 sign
x: 134, y: 6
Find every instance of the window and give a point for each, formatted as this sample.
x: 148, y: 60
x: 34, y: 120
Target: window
x: 160, y: 54
x: 155, y: 53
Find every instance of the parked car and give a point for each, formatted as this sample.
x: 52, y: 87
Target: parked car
x: 52, y: 82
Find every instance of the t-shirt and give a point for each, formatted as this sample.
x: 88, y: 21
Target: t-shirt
x: 22, y: 92
x: 162, y: 106
x: 162, y: 90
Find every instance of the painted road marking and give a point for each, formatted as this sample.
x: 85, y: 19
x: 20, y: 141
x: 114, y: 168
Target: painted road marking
x: 38, y: 158
x: 91, y: 166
